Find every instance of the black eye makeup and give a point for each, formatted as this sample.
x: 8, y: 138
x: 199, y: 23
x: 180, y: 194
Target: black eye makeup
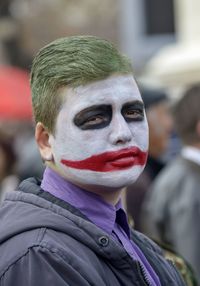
x: 133, y: 111
x: 94, y: 117
x: 100, y: 116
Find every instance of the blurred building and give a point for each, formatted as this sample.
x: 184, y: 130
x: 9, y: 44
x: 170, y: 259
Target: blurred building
x: 163, y: 39
x: 145, y: 27
x: 40, y: 22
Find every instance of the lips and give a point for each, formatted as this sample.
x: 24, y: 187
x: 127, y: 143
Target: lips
x: 110, y: 161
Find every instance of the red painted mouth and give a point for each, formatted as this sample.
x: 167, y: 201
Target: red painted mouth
x: 110, y: 161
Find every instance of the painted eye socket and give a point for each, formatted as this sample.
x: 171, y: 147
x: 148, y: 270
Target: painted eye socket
x: 133, y: 111
x: 94, y: 117
x: 135, y: 114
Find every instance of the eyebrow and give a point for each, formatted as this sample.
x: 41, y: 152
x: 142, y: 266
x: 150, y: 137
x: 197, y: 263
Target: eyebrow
x: 93, y: 108
x: 135, y: 103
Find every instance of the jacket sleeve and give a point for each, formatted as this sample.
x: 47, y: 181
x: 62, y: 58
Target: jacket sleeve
x: 41, y: 266
x: 184, y: 225
x: 171, y: 212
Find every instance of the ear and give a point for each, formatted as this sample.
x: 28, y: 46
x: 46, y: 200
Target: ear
x: 42, y: 139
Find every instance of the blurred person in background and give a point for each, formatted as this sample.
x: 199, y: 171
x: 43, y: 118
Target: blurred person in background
x: 16, y: 120
x: 171, y: 212
x: 91, y: 130
x: 8, y: 178
x: 160, y: 127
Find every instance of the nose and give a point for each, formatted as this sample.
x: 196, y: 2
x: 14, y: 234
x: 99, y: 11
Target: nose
x: 120, y: 132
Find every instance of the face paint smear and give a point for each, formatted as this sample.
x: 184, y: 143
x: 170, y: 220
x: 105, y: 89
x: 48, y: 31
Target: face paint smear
x: 110, y: 161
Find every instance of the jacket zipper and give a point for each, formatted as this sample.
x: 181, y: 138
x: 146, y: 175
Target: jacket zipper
x: 143, y: 274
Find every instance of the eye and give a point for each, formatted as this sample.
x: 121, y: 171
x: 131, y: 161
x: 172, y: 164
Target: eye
x: 133, y: 111
x: 133, y: 114
x: 95, y: 120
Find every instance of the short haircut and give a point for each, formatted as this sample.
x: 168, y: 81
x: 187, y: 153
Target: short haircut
x: 71, y: 61
x: 186, y: 115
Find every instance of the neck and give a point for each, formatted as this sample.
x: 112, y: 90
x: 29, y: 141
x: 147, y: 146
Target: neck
x: 109, y: 195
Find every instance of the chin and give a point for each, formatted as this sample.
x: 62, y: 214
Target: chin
x: 104, y: 180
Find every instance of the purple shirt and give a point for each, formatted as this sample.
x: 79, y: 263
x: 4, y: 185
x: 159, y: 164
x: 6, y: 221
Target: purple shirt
x: 111, y: 219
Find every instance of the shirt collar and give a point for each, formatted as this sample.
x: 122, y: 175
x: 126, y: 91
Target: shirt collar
x: 101, y: 213
x: 191, y: 153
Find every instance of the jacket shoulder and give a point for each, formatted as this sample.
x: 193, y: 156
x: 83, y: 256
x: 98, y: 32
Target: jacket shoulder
x: 18, y: 246
x: 52, y: 256
x: 40, y: 265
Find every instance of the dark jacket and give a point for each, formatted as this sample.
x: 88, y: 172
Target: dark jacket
x: 45, y: 241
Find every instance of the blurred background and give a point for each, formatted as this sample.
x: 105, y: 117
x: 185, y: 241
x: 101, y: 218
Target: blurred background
x: 161, y: 37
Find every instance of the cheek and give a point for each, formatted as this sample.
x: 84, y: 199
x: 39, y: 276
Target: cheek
x: 91, y: 142
x: 76, y: 144
x: 140, y: 133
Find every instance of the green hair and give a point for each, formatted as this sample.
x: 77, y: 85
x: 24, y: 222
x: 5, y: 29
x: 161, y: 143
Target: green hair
x: 71, y: 61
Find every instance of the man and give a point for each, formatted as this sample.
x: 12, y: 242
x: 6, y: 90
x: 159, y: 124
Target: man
x: 160, y: 126
x: 171, y: 210
x: 92, y: 133
x: 8, y: 179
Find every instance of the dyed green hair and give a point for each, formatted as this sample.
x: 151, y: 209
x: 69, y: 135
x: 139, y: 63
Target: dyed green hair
x: 71, y: 61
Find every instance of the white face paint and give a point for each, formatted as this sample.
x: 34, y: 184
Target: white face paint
x: 101, y: 136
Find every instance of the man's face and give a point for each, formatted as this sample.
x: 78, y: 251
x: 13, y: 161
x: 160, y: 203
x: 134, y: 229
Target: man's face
x: 101, y: 136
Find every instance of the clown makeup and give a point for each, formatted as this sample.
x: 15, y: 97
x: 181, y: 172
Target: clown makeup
x: 101, y: 136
